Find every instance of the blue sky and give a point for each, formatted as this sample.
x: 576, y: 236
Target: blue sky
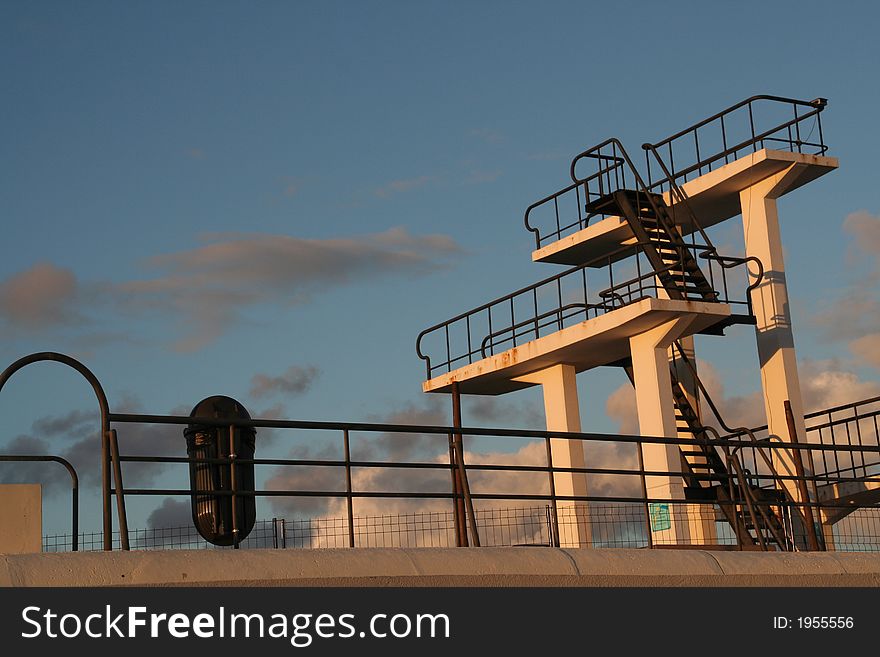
x: 196, y: 194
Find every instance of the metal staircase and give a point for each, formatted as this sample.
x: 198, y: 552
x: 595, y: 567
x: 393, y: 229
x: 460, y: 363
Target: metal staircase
x: 708, y: 473
x: 658, y: 230
x: 670, y: 256
x: 707, y: 477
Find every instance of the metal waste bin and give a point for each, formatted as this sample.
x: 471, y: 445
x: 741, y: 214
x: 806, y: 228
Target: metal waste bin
x: 216, y: 517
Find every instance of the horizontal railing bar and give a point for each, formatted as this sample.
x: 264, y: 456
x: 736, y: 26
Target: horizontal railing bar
x: 679, y: 173
x: 482, y: 496
x: 528, y: 288
x: 489, y: 467
x: 471, y: 431
x: 732, y: 108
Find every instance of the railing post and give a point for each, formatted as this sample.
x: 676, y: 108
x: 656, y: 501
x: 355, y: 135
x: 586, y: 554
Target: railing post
x: 554, y: 518
x: 812, y: 539
x: 106, y: 485
x: 348, y: 495
x: 233, y: 485
x: 645, y: 494
x: 120, y: 490
x: 456, y: 501
x: 463, y: 483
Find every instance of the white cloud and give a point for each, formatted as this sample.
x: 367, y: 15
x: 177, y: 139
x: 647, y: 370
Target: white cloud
x: 403, y: 185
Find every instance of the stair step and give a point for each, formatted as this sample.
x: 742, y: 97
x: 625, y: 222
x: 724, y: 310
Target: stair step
x: 700, y: 493
x: 687, y: 265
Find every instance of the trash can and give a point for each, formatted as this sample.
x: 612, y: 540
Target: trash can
x: 213, y: 514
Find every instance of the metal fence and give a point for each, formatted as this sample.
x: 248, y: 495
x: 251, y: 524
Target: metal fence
x: 630, y: 499
x: 611, y: 526
x: 853, y: 426
x: 499, y: 526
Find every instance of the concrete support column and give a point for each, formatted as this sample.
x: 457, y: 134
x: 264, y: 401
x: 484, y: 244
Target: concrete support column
x: 776, y: 353
x: 678, y: 524
x: 655, y: 405
x: 562, y: 413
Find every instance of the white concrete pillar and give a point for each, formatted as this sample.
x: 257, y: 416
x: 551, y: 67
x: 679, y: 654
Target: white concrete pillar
x: 562, y: 413
x: 776, y: 353
x: 655, y: 405
x: 680, y: 524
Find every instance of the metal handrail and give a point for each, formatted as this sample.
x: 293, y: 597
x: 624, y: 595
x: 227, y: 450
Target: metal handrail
x: 109, y: 448
x: 598, y: 176
x: 818, y: 103
x: 508, y: 297
x: 535, y: 321
x: 816, y: 106
x: 828, y: 411
x: 74, y: 485
x: 641, y: 283
x: 681, y: 196
x: 350, y: 493
x: 728, y: 262
x: 592, y: 153
x: 645, y: 188
x: 757, y: 444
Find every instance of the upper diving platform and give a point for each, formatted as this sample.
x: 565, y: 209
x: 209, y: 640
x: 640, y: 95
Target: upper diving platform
x: 713, y: 197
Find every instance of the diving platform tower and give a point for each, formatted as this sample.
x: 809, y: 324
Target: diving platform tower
x: 642, y: 279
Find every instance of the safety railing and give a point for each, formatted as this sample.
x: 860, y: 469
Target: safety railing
x: 850, y: 424
x: 619, y: 278
x: 526, y: 478
x: 755, y: 123
x: 854, y: 424
x: 515, y: 482
x: 565, y: 212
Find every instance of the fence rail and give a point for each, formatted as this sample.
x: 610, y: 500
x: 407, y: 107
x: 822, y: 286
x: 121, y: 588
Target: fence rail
x: 611, y: 526
x: 627, y: 478
x: 738, y: 487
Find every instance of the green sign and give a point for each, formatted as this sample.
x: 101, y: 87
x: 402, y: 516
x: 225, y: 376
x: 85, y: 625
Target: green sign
x: 660, y: 519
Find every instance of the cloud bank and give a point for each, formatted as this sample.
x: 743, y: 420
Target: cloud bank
x: 204, y: 291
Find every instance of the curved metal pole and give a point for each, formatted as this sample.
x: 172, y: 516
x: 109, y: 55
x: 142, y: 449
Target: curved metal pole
x: 105, y: 431
x: 74, y: 486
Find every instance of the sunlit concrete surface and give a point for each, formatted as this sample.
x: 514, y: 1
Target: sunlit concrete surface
x: 21, y: 518
x: 515, y: 566
x: 713, y: 197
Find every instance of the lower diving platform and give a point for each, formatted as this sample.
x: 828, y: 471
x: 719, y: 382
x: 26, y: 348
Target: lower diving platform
x: 598, y: 341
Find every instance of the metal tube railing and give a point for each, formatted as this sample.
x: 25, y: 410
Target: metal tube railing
x: 756, y: 136
x: 74, y: 486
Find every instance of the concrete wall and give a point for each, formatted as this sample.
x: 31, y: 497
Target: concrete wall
x: 441, y: 567
x: 21, y: 518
